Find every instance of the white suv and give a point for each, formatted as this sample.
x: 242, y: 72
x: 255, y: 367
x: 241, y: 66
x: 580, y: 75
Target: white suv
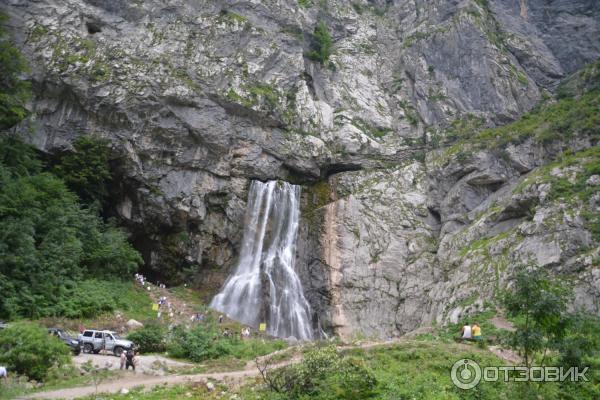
x: 93, y: 341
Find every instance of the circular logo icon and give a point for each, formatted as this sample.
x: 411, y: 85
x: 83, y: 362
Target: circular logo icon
x: 465, y: 374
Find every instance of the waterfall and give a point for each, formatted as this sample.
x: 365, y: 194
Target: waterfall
x: 265, y: 286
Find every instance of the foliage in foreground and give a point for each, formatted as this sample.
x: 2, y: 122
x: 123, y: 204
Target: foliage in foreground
x: 323, y: 373
x: 205, y: 341
x: 28, y: 349
x: 150, y: 338
x: 50, y: 244
x: 547, y: 332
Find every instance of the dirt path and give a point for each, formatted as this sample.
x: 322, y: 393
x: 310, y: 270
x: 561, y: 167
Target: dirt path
x: 144, y: 363
x: 502, y: 323
x: 249, y: 370
x: 149, y: 382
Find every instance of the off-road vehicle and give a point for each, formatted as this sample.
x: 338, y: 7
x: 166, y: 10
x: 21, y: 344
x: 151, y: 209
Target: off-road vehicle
x: 67, y: 339
x: 94, y: 341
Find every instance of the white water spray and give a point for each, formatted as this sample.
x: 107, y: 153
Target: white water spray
x: 265, y: 286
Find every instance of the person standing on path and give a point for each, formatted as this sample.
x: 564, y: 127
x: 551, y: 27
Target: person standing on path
x: 129, y: 360
x: 123, y: 358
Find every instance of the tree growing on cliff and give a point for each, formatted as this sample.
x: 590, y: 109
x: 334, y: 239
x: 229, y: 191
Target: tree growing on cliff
x: 86, y: 168
x: 14, y: 91
x: 321, y: 45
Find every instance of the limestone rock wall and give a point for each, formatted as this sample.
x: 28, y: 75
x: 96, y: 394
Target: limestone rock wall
x: 199, y: 97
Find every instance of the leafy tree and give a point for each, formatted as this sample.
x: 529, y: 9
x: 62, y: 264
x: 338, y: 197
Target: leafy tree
x: 322, y: 45
x: 14, y: 91
x: 322, y: 374
x: 150, y: 338
x: 539, y: 302
x: 547, y: 331
x: 86, y: 169
x: 28, y: 349
x: 48, y: 242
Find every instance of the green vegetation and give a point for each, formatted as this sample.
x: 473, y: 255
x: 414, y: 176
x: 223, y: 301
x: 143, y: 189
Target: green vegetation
x: 408, y: 370
x: 321, y: 44
x: 373, y: 131
x: 56, y: 256
x: 14, y: 91
x: 150, y: 338
x: 85, y: 170
x: 256, y: 94
x: 571, y: 187
x: 323, y: 373
x: 565, y: 119
x: 362, y: 8
x: 540, y: 305
x: 585, y: 80
x: 305, y: 3
x: 231, y: 17
x: 28, y: 349
x: 205, y: 341
x: 50, y: 246
x: 548, y: 333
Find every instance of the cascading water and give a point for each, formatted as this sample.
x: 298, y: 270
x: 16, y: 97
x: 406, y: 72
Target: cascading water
x: 265, y: 286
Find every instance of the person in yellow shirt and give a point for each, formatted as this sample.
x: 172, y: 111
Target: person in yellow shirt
x: 476, y: 329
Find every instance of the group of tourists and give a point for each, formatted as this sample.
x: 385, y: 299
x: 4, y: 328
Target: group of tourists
x: 164, y: 305
x: 128, y: 359
x: 197, y: 317
x: 141, y: 279
x: 470, y: 332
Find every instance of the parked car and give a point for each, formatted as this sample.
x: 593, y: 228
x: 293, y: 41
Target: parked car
x: 67, y: 339
x: 93, y: 341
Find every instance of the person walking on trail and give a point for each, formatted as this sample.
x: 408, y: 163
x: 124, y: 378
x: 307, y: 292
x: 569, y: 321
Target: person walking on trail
x: 129, y: 360
x: 221, y: 318
x: 123, y: 359
x: 3, y: 373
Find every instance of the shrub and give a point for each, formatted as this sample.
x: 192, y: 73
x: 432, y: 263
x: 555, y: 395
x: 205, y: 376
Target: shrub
x: 196, y: 344
x: 323, y: 374
x: 205, y: 341
x: 150, y: 338
x: 49, y: 243
x: 28, y: 349
x: 85, y: 170
x: 321, y: 46
x: 14, y: 91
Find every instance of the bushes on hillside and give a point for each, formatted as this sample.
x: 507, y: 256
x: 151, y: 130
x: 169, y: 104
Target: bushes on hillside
x: 150, y: 338
x: 85, y: 170
x: 49, y: 243
x: 323, y: 374
x: 28, y: 349
x: 205, y: 341
x: 322, y: 45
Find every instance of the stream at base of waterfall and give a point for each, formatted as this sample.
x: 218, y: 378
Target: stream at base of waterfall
x: 265, y: 287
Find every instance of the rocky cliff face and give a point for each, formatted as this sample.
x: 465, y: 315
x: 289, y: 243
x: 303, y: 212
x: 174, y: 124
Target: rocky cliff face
x: 199, y: 97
